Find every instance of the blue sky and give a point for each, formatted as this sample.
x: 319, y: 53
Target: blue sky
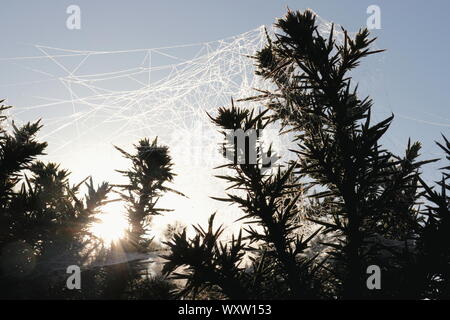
x: 411, y: 78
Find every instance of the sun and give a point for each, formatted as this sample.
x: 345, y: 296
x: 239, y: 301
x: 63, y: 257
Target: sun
x: 111, y: 227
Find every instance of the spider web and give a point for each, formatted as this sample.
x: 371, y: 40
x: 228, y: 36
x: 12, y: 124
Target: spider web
x: 101, y: 98
x: 91, y: 100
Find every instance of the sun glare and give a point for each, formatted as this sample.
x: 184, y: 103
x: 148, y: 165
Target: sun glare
x: 111, y: 227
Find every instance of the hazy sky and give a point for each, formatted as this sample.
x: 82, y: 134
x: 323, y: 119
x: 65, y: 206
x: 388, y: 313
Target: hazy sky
x: 410, y: 79
x: 415, y: 67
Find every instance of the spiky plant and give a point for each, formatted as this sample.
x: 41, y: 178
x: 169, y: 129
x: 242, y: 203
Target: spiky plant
x: 431, y: 270
x: 371, y: 190
x: 151, y: 169
x: 45, y: 222
x: 263, y: 201
x: 209, y: 264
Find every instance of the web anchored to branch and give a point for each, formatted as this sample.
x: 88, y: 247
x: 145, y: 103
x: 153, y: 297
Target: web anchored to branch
x: 90, y: 100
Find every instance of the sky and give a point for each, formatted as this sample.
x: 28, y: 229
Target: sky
x: 410, y: 79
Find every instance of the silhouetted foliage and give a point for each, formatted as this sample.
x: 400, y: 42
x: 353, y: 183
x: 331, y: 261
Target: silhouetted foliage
x: 211, y: 263
x: 310, y: 227
x: 372, y: 192
x: 44, y: 221
x: 365, y: 197
x: 151, y: 168
x: 432, y: 266
x: 45, y: 224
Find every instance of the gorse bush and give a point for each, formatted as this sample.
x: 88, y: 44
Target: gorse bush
x: 45, y: 222
x: 362, y: 195
x: 151, y: 168
x: 369, y: 188
x: 212, y: 264
x: 310, y: 228
x: 42, y: 216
